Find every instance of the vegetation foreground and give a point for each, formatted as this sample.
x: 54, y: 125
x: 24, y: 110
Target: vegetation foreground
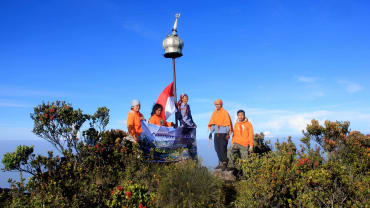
x: 100, y: 169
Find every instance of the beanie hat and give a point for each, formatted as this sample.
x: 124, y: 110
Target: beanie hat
x: 135, y: 102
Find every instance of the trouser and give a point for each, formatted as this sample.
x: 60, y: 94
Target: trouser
x: 221, y: 146
x: 235, y: 149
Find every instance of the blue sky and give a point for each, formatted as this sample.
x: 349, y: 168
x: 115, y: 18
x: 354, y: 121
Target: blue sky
x: 283, y: 62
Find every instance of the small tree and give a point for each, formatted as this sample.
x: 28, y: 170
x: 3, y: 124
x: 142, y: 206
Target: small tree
x: 59, y: 124
x: 18, y: 161
x: 98, y: 121
x: 260, y: 145
x: 340, y: 180
x: 330, y: 137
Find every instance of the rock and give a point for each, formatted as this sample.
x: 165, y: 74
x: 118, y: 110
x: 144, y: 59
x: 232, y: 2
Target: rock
x: 224, y: 175
x: 129, y: 138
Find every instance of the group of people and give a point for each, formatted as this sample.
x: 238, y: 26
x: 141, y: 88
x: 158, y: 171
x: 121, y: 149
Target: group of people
x: 220, y: 128
x: 220, y: 125
x: 183, y: 115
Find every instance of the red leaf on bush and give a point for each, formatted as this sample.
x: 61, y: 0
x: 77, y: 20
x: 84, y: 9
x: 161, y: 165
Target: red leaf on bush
x: 123, y: 149
x: 128, y: 194
x: 302, y: 161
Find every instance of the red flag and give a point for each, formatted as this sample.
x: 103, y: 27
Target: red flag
x: 167, y: 100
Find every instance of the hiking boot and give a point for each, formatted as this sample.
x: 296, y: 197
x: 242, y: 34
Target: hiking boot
x: 219, y: 166
x: 224, y: 166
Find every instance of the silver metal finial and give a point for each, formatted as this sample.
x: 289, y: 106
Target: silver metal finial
x: 174, y: 29
x: 173, y: 44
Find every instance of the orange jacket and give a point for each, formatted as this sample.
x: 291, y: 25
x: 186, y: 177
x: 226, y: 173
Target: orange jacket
x: 221, y: 118
x: 243, y: 133
x: 157, y: 120
x: 134, y: 123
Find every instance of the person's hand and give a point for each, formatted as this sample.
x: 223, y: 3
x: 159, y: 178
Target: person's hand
x: 142, y: 118
x: 250, y: 149
x: 183, y: 123
x: 210, y: 136
x: 227, y: 136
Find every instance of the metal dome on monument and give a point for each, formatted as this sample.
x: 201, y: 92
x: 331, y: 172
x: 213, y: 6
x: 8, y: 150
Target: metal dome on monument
x: 173, y: 44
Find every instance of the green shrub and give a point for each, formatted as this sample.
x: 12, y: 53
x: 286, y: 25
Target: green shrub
x: 130, y: 195
x: 101, y: 169
x: 333, y: 174
x: 260, y: 145
x: 343, y: 179
x: 85, y: 174
x: 268, y: 180
x: 330, y: 186
x: 188, y: 184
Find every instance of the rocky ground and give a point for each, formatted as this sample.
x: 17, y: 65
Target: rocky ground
x: 224, y: 175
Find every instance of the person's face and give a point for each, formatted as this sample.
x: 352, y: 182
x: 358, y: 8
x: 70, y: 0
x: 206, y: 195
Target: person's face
x: 241, y: 116
x: 158, y: 111
x: 185, y: 99
x: 218, y: 106
x: 136, y: 108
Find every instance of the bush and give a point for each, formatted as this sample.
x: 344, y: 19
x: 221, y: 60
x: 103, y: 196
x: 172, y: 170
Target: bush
x: 187, y: 184
x: 101, y: 169
x: 342, y: 180
x: 333, y: 174
x: 268, y: 180
x: 330, y: 186
x: 260, y: 145
x: 85, y: 174
x: 130, y: 195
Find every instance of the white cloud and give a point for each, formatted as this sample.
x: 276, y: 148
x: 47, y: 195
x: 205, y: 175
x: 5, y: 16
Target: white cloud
x: 306, y: 79
x: 350, y: 87
x: 316, y: 90
x: 16, y: 133
x: 276, y: 122
x: 12, y: 104
x: 267, y: 133
x: 288, y: 123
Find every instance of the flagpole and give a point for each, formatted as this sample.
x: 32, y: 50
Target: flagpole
x: 172, y: 46
x: 174, y: 79
x: 174, y: 86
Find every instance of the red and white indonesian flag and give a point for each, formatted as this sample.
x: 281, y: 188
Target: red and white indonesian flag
x: 167, y: 100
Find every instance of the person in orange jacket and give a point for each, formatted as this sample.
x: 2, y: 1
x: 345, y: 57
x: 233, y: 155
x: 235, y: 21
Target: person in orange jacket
x: 156, y: 118
x: 134, y: 120
x: 242, y: 142
x: 220, y: 124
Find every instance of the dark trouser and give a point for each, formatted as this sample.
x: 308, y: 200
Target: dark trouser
x: 221, y: 147
x: 237, y: 149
